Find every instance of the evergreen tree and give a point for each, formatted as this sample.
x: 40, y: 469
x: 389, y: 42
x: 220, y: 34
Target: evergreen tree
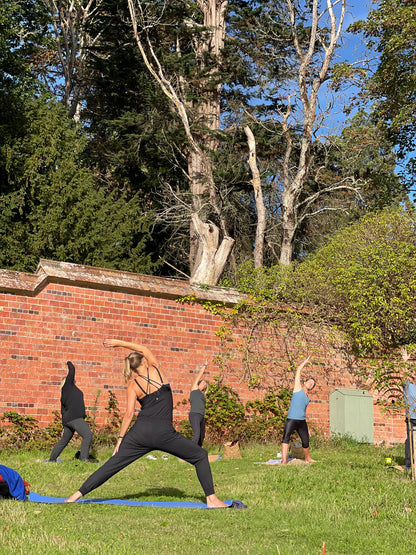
x: 54, y: 206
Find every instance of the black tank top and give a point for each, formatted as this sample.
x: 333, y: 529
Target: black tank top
x: 158, y: 404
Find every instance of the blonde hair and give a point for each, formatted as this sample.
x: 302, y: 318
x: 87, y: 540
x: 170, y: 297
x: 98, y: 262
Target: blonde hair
x: 130, y: 364
x: 206, y: 385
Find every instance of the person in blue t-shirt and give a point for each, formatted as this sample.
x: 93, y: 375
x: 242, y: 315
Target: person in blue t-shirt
x: 409, y: 393
x: 296, y: 418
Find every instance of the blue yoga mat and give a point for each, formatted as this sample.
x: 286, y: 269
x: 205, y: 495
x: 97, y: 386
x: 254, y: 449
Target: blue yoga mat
x: 274, y: 461
x: 36, y: 498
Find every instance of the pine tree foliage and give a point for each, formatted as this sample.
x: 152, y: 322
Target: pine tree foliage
x: 56, y: 207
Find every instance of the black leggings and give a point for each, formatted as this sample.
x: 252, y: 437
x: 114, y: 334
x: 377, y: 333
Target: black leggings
x: 197, y: 422
x: 299, y: 426
x: 81, y: 427
x: 147, y: 435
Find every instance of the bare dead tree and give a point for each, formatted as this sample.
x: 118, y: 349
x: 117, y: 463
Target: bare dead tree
x: 211, y: 244
x: 310, y: 78
x: 71, y: 21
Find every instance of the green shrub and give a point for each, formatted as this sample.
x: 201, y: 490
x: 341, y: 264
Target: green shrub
x: 22, y: 432
x: 107, y: 436
x: 224, y: 413
x: 185, y: 428
x: 266, y: 417
x: 227, y: 419
x: 363, y: 280
x: 258, y: 421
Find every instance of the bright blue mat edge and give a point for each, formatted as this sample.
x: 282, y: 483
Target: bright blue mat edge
x: 36, y: 498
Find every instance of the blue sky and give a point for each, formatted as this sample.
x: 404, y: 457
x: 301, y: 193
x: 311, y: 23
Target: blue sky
x: 352, y: 49
x: 356, y: 11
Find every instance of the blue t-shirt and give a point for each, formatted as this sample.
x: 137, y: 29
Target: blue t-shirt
x: 298, y: 404
x: 410, y: 399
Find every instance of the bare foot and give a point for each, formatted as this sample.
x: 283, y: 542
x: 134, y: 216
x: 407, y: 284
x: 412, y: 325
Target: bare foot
x: 214, y: 502
x: 74, y: 497
x: 310, y: 460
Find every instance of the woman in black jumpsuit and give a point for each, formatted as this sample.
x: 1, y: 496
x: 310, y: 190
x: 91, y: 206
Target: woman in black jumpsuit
x: 73, y: 417
x: 153, y: 428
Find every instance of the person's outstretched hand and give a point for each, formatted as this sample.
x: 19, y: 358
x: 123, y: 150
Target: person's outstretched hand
x: 405, y: 354
x: 110, y: 342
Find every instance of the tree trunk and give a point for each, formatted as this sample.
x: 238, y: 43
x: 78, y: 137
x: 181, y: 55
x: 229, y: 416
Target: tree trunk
x: 289, y: 227
x: 295, y: 175
x: 213, y: 254
x: 203, y: 260
x: 208, y: 253
x: 258, y: 251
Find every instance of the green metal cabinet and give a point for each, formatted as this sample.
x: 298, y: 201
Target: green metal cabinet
x: 351, y: 414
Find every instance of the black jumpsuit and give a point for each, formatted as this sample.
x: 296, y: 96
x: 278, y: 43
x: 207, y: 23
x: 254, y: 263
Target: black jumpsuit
x: 152, y: 430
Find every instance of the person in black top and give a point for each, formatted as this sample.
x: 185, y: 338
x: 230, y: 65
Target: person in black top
x: 73, y: 417
x: 197, y: 413
x: 153, y: 428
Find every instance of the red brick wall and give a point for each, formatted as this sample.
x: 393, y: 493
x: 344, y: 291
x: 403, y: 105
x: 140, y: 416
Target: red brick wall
x: 64, y: 311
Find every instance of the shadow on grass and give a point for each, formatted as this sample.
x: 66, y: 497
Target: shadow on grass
x: 158, y: 492
x: 154, y: 494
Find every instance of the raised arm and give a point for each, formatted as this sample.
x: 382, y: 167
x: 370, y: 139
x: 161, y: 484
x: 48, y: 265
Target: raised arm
x: 297, y: 385
x: 128, y: 416
x: 147, y: 353
x: 199, y: 376
x: 70, y: 377
x: 405, y: 355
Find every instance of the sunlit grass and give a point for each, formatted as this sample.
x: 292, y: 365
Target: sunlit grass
x: 348, y: 499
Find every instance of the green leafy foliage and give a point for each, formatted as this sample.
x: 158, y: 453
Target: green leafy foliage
x: 224, y: 412
x: 266, y: 417
x: 185, y: 428
x: 226, y: 416
x: 106, y: 436
x: 391, y: 30
x: 114, y: 417
x: 22, y: 432
x: 362, y: 155
x: 355, y: 294
x: 90, y: 194
x: 364, y: 281
x: 261, y: 284
x: 258, y: 421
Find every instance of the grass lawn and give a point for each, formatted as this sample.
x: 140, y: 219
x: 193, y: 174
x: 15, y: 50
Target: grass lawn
x: 348, y: 499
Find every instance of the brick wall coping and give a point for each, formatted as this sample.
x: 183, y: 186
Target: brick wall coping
x: 50, y: 271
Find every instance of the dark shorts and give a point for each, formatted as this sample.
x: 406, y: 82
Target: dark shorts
x: 299, y: 426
